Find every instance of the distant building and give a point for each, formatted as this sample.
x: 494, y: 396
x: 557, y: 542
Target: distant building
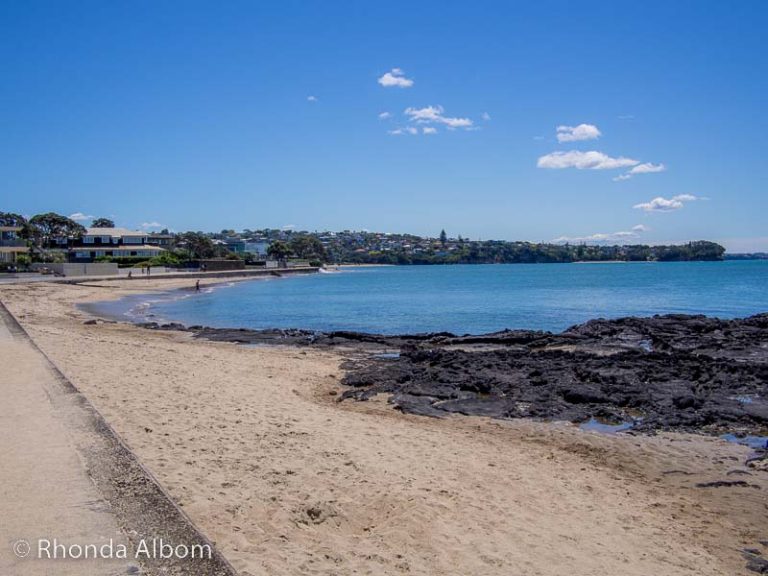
x: 162, y: 240
x: 235, y: 244
x: 11, y: 245
x: 259, y: 248
x: 114, y: 243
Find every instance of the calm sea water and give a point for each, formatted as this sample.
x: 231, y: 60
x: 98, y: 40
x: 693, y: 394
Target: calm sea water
x: 467, y: 299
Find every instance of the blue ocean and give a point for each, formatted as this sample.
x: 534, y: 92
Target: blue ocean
x: 465, y: 299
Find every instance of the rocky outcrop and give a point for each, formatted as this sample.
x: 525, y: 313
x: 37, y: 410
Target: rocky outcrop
x: 665, y: 372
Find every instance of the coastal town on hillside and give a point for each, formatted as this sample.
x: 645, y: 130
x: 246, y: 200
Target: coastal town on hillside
x: 52, y: 238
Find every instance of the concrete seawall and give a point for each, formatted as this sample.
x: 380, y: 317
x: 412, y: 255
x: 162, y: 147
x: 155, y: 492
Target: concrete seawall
x: 255, y: 273
x: 73, y: 475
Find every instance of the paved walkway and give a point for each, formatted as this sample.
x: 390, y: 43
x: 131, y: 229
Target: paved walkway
x: 45, y: 492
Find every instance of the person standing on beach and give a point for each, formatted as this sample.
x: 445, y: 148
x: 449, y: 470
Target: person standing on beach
x: 197, y: 286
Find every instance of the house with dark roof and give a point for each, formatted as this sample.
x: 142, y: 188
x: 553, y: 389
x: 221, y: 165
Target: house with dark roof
x: 113, y: 243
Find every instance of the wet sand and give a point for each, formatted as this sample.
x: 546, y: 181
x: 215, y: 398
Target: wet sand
x: 252, y: 443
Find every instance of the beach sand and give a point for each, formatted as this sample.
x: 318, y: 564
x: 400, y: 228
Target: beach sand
x: 285, y: 480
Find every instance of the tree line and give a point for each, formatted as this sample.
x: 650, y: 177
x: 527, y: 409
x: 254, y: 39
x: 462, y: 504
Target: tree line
x: 43, y: 231
x: 500, y: 252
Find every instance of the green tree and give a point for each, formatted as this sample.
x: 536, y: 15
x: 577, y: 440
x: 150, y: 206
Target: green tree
x: 278, y: 250
x: 103, y: 223
x: 443, y: 237
x: 11, y: 219
x: 43, y: 229
x: 197, y: 244
x: 307, y: 247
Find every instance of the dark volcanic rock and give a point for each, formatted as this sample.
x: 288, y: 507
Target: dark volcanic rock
x: 665, y: 372
x: 755, y: 562
x: 725, y: 484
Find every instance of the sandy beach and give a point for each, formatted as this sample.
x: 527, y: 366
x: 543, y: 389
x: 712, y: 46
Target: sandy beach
x: 254, y: 447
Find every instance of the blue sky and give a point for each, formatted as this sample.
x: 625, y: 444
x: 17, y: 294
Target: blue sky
x: 197, y: 115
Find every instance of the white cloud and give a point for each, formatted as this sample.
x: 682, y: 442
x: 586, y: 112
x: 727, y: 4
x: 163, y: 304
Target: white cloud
x: 426, y: 114
x: 660, y: 204
x: 80, y: 217
x: 457, y: 122
x: 601, y: 238
x: 311, y: 98
x: 485, y: 116
x: 405, y: 130
x: 427, y: 120
x: 647, y: 168
x: 434, y: 115
x: 576, y: 133
x: 147, y: 225
x: 288, y: 227
x: 591, y: 160
x: 395, y: 77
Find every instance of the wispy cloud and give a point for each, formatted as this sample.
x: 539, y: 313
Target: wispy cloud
x: 591, y: 160
x: 648, y: 168
x: 395, y: 78
x: 620, y: 237
x: 405, y: 130
x: 576, y: 133
x: 645, y: 168
x: 485, y: 116
x: 434, y: 115
x: 661, y: 204
x: 150, y: 225
x: 80, y: 217
x: 385, y: 115
x: 429, y: 130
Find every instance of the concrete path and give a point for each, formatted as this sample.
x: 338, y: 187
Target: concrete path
x: 45, y: 492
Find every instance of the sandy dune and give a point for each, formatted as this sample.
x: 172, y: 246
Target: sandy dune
x: 287, y: 481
